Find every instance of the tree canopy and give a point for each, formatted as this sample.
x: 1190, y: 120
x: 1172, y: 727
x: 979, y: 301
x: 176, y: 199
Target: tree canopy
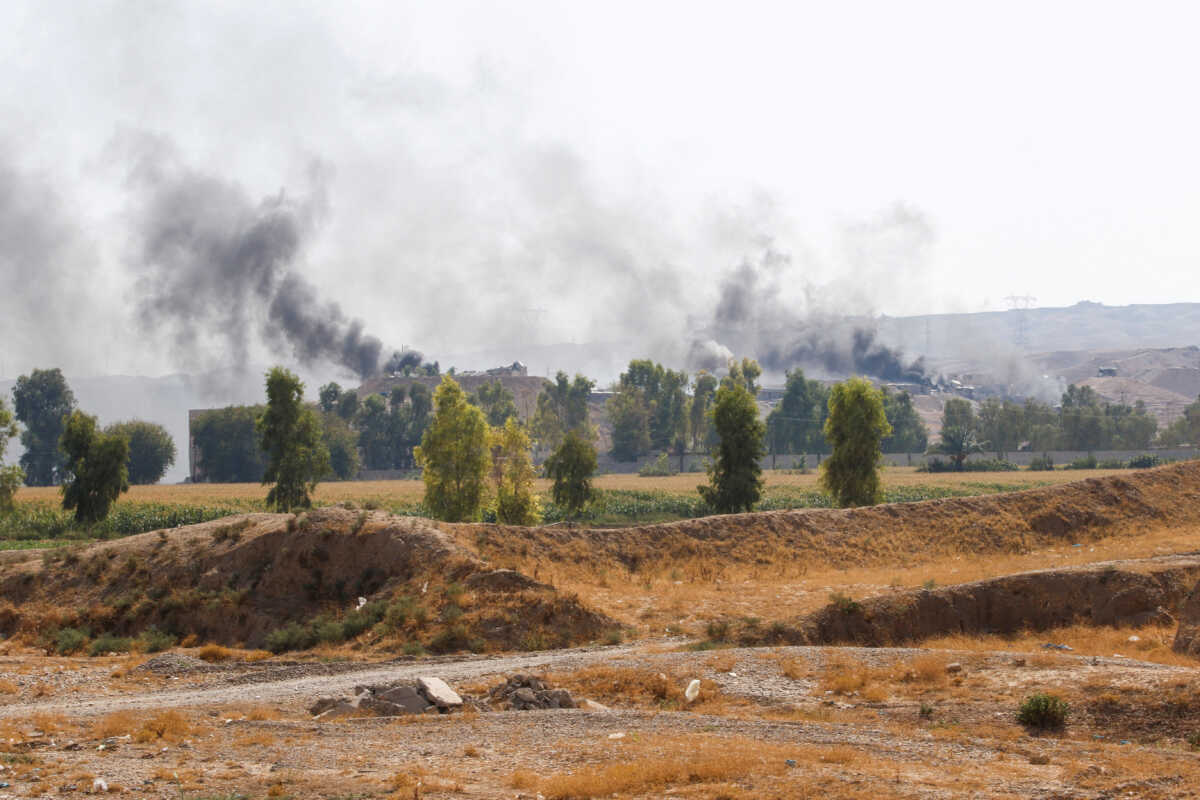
x: 562, y: 406
x: 496, y: 401
x: 42, y: 401
x: 571, y: 467
x: 734, y: 474
x: 855, y: 429
x: 454, y: 456
x: 95, y: 474
x: 513, y: 475
x: 290, y: 436
x: 10, y: 476
x: 151, y: 449
x: 959, y: 437
x: 227, y: 444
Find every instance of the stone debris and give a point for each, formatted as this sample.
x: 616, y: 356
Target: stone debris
x: 525, y: 693
x: 953, y: 667
x: 169, y: 663
x: 426, y: 696
x: 693, y: 690
x: 439, y: 692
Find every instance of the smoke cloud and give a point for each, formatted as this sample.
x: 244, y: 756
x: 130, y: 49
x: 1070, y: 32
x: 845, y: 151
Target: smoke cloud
x: 828, y: 329
x: 217, y: 270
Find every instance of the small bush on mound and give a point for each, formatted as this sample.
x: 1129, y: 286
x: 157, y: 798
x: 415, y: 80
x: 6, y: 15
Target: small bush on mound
x: 1042, y: 463
x: 844, y: 603
x: 659, y: 468
x: 1145, y: 461
x: 1043, y: 711
x: 107, y: 643
x: 982, y: 465
x: 1088, y: 462
x: 153, y: 640
x: 69, y: 640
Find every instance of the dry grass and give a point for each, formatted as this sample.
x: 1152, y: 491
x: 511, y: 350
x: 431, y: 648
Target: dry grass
x: 119, y: 723
x: 844, y: 674
x: 8, y: 687
x: 169, y: 726
x: 643, y: 688
x: 214, y: 653
x: 1153, y: 644
x: 253, y: 739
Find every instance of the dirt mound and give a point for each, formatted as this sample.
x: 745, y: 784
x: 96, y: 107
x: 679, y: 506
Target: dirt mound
x: 1117, y: 593
x: 238, y: 579
x: 1187, y: 638
x: 898, y: 533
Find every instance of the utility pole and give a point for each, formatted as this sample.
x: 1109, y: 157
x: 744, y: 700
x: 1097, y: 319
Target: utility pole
x: 1021, y: 304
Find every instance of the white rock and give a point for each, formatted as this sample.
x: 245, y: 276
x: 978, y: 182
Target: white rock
x: 439, y: 692
x: 592, y: 705
x: 1134, y: 638
x: 362, y: 601
x: 99, y: 785
x: 616, y: 736
x: 693, y: 690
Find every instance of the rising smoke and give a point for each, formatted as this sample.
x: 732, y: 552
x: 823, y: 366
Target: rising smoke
x: 829, y: 330
x: 216, y: 270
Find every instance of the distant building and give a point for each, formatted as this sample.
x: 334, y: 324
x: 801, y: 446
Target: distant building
x: 1108, y: 372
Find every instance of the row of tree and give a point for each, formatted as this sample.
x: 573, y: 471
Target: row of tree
x: 44, y: 405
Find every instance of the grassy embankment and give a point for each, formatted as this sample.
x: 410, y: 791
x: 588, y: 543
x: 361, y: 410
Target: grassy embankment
x: 39, y: 520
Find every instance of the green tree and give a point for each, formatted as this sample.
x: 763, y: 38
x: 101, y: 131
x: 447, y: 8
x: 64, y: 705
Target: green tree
x: 151, y: 449
x: 454, y: 456
x: 42, y: 403
x: 960, y: 436
x: 734, y: 475
x: 328, y: 396
x: 562, y: 406
x: 347, y: 405
x: 96, y: 472
x: 342, y: 443
x: 855, y: 429
x: 227, y: 442
x: 11, y: 477
x: 571, y: 467
x: 794, y: 425
x: 375, y: 433
x: 496, y: 401
x: 745, y: 373
x: 290, y: 435
x: 1082, y: 419
x: 703, y: 390
x: 630, y: 418
x: 1185, y: 430
x: 908, y: 431
x: 513, y: 474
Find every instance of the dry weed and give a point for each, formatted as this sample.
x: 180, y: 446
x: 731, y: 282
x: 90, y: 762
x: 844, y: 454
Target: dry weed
x: 170, y: 726
x: 8, y: 687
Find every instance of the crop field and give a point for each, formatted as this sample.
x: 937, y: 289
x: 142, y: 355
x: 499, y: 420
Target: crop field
x: 619, y: 500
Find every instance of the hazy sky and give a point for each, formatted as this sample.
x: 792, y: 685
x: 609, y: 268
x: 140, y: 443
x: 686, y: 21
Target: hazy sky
x: 455, y: 167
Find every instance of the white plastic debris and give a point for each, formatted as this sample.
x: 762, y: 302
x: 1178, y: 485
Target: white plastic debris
x: 1135, y: 638
x: 616, y: 736
x: 362, y: 601
x: 99, y: 785
x: 693, y: 690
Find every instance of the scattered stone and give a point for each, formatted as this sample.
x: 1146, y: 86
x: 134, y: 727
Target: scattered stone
x: 526, y: 692
x: 169, y: 663
x: 1052, y: 646
x: 1018, y: 662
x: 953, y: 667
x: 317, y: 708
x: 1039, y: 760
x: 438, y: 692
x: 592, y: 705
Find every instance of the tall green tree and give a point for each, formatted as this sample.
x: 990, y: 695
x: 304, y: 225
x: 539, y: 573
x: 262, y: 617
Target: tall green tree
x: 290, y: 435
x: 496, y: 401
x: 454, y: 456
x: 562, y: 406
x: 855, y: 429
x: 571, y: 467
x: 513, y: 475
x: 745, y: 373
x: 227, y: 444
x: 794, y: 425
x: 42, y: 403
x: 1185, y: 430
x: 960, y: 432
x: 908, y: 431
x: 734, y: 475
x: 630, y: 417
x: 375, y: 439
x: 342, y: 443
x: 11, y: 476
x: 96, y: 472
x: 151, y: 449
x: 329, y: 396
x: 703, y: 390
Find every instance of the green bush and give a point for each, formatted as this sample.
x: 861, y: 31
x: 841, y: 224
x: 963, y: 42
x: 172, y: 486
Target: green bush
x: 154, y: 640
x: 844, y: 603
x: 1043, y: 711
x: 660, y: 467
x: 107, y: 643
x: 1087, y: 462
x: 69, y: 640
x: 981, y: 465
x: 1145, y: 461
x: 1042, y: 463
x: 1112, y: 463
x: 292, y: 636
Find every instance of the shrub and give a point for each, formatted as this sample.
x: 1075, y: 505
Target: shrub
x: 1087, y: 462
x: 1043, y: 711
x: 107, y: 643
x: 69, y: 640
x: 153, y: 640
x: 414, y: 649
x: 1111, y: 463
x: 660, y: 467
x: 980, y: 465
x: 718, y: 630
x: 1145, y: 461
x: 844, y: 603
x: 292, y: 636
x: 1042, y: 463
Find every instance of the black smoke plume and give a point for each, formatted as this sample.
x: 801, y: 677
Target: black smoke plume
x: 403, y: 362
x: 219, y: 269
x: 751, y: 319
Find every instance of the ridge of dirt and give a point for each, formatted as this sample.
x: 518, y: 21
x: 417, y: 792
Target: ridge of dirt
x: 896, y: 533
x: 236, y: 579
x: 1129, y: 593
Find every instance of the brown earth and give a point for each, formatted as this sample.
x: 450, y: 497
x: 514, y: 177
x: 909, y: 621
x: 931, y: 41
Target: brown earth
x: 1187, y: 639
x: 1117, y: 593
x: 895, y: 534
x: 235, y: 580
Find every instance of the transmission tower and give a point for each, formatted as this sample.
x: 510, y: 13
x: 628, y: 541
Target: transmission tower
x: 1021, y: 304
